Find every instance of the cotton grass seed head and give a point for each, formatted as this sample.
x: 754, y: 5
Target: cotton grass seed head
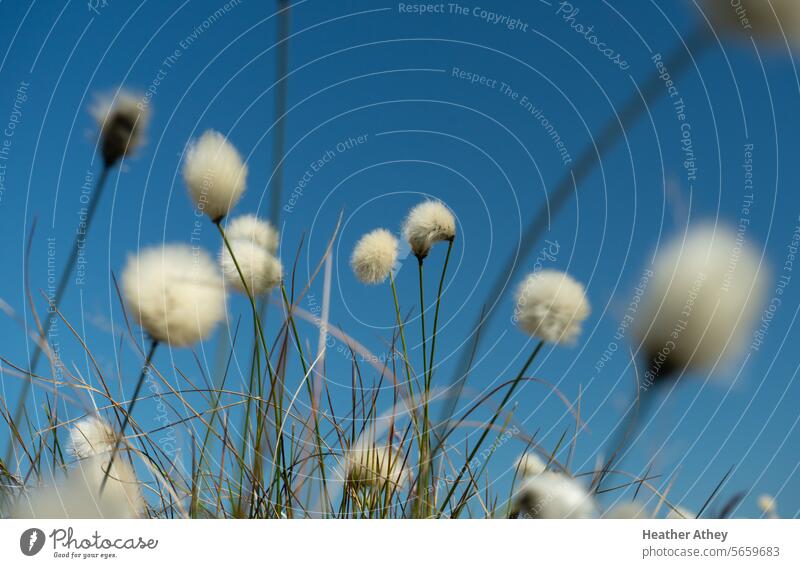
x: 767, y: 21
x: 768, y: 506
x: 122, y: 120
x: 215, y: 174
x: 90, y: 437
x: 251, y: 228
x: 701, y: 303
x: 374, y: 256
x: 552, y: 495
x: 529, y: 464
x: 427, y: 224
x: 77, y: 495
x: 175, y: 292
x: 259, y: 268
x: 374, y: 466
x: 551, y: 305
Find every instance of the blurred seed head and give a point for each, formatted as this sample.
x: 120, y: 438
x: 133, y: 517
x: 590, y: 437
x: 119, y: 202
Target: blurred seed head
x: 768, y: 506
x: 552, y: 495
x: 552, y: 305
x: 175, y: 292
x: 121, y: 120
x: 427, y: 224
x: 251, y: 228
x: 214, y: 174
x: 369, y: 465
x: 90, y: 437
x: 701, y: 303
x: 770, y: 22
x: 77, y: 494
x: 374, y: 256
x: 529, y: 464
x: 259, y: 268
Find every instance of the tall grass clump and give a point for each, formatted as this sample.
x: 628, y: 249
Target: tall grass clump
x: 278, y: 444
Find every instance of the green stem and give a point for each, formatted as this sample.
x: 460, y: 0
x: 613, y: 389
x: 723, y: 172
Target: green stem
x: 420, y: 262
x: 273, y: 397
x: 402, y: 338
x: 131, y: 404
x: 436, y: 313
x: 424, y: 449
x: 317, y: 431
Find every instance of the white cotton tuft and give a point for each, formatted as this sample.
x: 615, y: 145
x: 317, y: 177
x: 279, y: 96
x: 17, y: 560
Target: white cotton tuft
x: 374, y: 256
x: 374, y: 466
x: 215, y: 174
x: 552, y: 495
x: 77, y: 495
x: 260, y: 269
x: 90, y: 437
x: 701, y: 303
x: 122, y: 119
x: 427, y: 224
x: 529, y: 464
x: 251, y: 228
x: 175, y: 292
x: 768, y: 506
x: 766, y: 21
x: 551, y: 305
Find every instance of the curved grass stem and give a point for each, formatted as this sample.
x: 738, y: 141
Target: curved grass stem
x: 488, y: 427
x: 147, y: 362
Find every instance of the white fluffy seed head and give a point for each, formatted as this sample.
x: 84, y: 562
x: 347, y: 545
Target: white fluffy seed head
x: 260, y: 269
x: 251, y: 228
x: 374, y: 256
x: 427, y: 224
x: 374, y: 466
x: 90, y: 437
x: 702, y: 300
x: 77, y: 495
x: 768, y: 505
x: 529, y: 464
x: 121, y: 119
x: 551, y: 305
x: 552, y: 495
x: 175, y: 292
x: 756, y: 18
x: 215, y: 174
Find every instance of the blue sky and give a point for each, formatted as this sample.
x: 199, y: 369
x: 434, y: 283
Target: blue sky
x: 385, y: 97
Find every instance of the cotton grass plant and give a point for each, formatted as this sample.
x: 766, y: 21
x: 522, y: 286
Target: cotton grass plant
x: 275, y: 464
x: 697, y: 314
x: 277, y: 447
x: 285, y: 459
x: 95, y: 487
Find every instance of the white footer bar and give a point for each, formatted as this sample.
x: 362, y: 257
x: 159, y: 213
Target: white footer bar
x: 387, y: 544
